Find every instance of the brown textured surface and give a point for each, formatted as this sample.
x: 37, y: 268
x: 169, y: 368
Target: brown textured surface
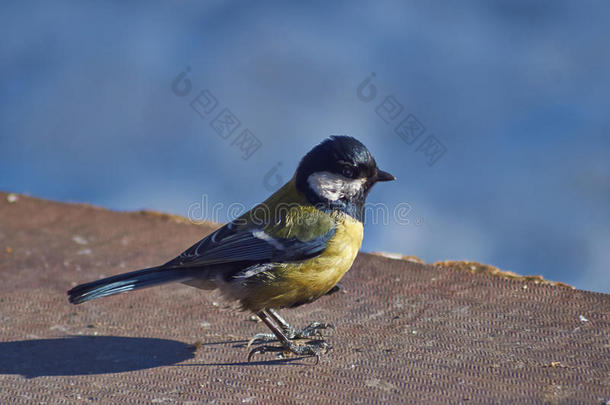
x: 405, y: 331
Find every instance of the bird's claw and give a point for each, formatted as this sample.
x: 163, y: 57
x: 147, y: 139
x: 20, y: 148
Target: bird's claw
x: 311, y: 330
x: 314, y: 348
x: 262, y: 337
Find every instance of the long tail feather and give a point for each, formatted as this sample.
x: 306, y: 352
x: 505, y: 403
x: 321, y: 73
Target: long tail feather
x: 127, y: 282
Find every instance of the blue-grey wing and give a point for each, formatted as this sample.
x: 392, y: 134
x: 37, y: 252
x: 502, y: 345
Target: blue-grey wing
x: 248, y: 245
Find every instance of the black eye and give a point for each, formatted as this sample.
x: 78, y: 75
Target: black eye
x: 347, y: 172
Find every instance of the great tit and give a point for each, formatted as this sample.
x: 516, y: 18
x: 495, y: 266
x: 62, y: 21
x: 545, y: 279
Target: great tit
x: 287, y: 251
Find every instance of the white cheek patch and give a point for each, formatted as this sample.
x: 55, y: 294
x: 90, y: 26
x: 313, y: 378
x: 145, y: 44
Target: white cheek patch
x: 333, y: 186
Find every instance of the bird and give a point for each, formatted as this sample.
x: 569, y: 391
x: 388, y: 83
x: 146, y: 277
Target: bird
x: 287, y: 251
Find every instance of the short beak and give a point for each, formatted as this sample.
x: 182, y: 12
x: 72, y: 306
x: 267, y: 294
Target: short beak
x: 384, y: 176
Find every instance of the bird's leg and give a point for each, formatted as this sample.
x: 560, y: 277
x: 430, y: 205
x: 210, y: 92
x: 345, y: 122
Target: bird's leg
x: 311, y: 330
x: 311, y: 349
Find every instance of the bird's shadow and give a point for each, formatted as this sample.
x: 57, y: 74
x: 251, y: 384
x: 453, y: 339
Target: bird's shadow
x: 83, y: 355
x: 86, y: 355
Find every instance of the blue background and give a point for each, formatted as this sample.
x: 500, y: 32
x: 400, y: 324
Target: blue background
x: 516, y: 91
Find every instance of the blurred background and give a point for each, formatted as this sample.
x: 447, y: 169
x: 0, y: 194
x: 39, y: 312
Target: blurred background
x: 494, y: 115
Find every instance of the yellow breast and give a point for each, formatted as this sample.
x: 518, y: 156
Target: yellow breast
x: 300, y: 282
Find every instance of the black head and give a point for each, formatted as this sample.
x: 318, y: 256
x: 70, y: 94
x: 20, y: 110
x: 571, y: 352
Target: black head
x: 338, y: 174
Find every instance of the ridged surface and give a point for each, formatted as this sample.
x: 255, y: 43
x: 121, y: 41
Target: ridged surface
x: 405, y: 331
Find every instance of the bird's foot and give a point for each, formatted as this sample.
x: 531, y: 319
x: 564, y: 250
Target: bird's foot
x: 314, y: 348
x: 311, y: 330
